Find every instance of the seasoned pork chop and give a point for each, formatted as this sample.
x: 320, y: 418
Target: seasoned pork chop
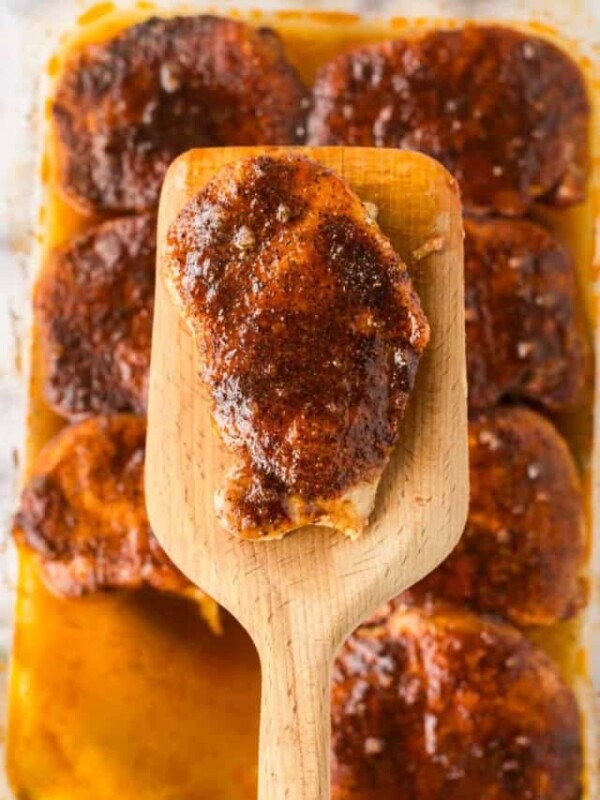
x: 523, y: 552
x: 525, y: 337
x: 506, y: 112
x: 93, y: 307
x: 309, y: 334
x: 124, y: 109
x: 435, y: 703
x: 83, y: 511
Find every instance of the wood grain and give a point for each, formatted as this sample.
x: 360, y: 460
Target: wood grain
x: 300, y: 597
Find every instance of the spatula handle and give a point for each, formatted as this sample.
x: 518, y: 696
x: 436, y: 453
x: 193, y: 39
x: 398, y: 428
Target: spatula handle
x: 295, y: 730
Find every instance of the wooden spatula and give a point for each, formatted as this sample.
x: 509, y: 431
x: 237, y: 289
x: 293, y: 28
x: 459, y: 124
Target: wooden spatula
x: 300, y: 597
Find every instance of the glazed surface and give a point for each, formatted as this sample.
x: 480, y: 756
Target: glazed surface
x: 505, y: 112
x: 522, y: 555
x: 525, y: 338
x: 308, y: 332
x: 438, y: 704
x: 126, y: 108
x: 83, y: 512
x: 93, y: 304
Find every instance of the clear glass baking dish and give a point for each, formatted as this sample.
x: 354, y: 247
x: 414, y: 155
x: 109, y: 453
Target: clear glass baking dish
x: 31, y: 32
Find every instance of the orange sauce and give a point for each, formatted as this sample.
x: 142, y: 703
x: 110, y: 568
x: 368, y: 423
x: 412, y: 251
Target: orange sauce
x: 129, y: 695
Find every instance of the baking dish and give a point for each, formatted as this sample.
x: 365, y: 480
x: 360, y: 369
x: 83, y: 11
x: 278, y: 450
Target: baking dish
x: 309, y: 38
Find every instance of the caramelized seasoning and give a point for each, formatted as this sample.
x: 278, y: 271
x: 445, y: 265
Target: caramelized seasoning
x: 524, y: 338
x: 522, y: 555
x: 83, y: 512
x: 93, y: 304
x: 308, y: 330
x: 439, y: 704
x: 506, y: 113
x: 126, y: 108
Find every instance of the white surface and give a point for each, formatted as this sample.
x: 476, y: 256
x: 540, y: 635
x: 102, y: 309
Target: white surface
x: 28, y: 29
x: 13, y: 294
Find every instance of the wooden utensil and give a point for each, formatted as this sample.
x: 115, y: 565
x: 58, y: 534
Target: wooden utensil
x: 300, y: 597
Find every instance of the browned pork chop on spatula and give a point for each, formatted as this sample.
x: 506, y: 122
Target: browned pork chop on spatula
x: 286, y: 339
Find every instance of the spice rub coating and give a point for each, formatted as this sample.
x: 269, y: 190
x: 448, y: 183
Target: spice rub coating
x: 434, y: 703
x: 93, y: 304
x: 83, y: 512
x: 309, y: 334
x: 124, y: 109
x: 506, y: 112
x: 524, y: 334
x: 522, y: 554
